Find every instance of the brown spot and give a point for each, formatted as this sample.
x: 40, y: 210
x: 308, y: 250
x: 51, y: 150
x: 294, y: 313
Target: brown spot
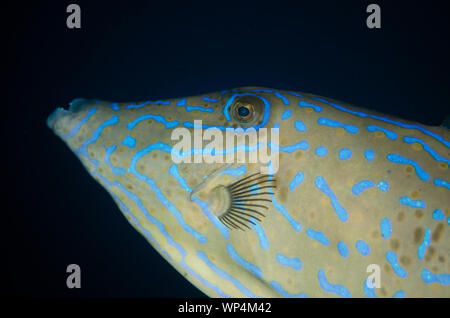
x: 100, y: 170
x: 129, y: 187
x: 441, y: 259
x: 400, y: 216
x: 91, y: 154
x: 379, y: 134
x: 419, y: 213
x: 418, y: 235
x: 375, y: 234
x: 141, y: 168
x: 298, y: 154
x: 416, y: 146
x: 431, y: 251
x: 409, y: 169
x: 340, y: 131
x: 443, y: 165
x: 447, y: 212
x: 405, y: 260
x: 437, y: 233
x: 283, y: 194
x: 384, y: 291
x: 387, y: 268
x: 166, y: 157
x: 154, y: 155
x: 415, y: 194
x: 394, y: 243
x: 435, y: 268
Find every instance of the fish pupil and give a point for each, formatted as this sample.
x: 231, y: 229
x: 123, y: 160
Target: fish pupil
x: 243, y: 111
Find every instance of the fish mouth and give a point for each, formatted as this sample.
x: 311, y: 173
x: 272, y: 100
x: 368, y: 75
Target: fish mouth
x: 60, y: 115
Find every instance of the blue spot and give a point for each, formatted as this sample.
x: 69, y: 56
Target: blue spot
x: 157, y: 118
x: 362, y: 247
x: 321, y: 151
x: 300, y: 126
x: 249, y: 266
x: 383, y: 186
x: 292, y: 262
x: 115, y: 106
x: 332, y: 123
x: 235, y: 172
x: 427, y: 148
x: 275, y: 285
x: 322, y: 185
x: 287, y: 114
x: 342, y: 248
x: 425, y: 243
x: 276, y: 125
x: 391, y: 257
x: 441, y: 183
x: 298, y: 178
x: 386, y: 228
x: 401, y: 160
x: 369, y: 291
x: 208, y: 99
x: 129, y: 141
x: 345, y: 154
x: 340, y: 290
x: 181, y: 102
x: 390, y: 134
x: 316, y: 108
x: 369, y: 154
x: 399, y: 294
x: 221, y: 273
x: 438, y: 215
x: 318, y: 236
x: 358, y: 188
x: 412, y: 203
x: 387, y: 120
x: 429, y: 277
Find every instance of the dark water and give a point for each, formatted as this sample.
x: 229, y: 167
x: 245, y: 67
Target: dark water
x: 58, y: 215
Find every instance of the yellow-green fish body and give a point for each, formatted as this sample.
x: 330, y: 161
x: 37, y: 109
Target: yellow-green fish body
x: 357, y: 193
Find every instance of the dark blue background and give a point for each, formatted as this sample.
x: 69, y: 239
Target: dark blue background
x: 57, y: 214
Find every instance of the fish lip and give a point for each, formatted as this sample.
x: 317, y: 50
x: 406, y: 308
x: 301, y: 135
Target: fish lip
x: 74, y: 106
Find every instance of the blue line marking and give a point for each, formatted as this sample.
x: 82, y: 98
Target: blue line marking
x: 333, y: 123
x: 129, y: 141
x: 340, y: 290
x: 391, y: 257
x: 412, y: 203
x: 316, y: 108
x: 147, y: 103
x: 300, y: 126
x: 173, y: 170
x: 441, y: 183
x: 427, y: 148
x: 363, y: 247
x: 249, y: 266
x: 322, y: 185
x: 425, y: 243
x: 296, y: 94
x: 392, y: 157
x: 263, y: 241
x: 77, y: 127
x: 397, y: 123
x: 204, y: 206
x: 386, y: 228
x: 286, y: 115
x: 321, y: 151
x: 108, y: 152
x: 383, y: 186
x: 181, y: 102
x: 208, y: 99
x: 275, y: 285
x: 221, y: 273
x: 358, y: 188
x: 318, y: 236
x: 298, y: 179
x: 429, y: 277
x: 438, y: 215
x: 304, y: 145
x: 292, y: 262
x: 369, y: 154
x: 235, y: 172
x: 370, y: 292
x: 390, y: 134
x: 157, y: 118
x: 342, y: 249
x: 399, y: 294
x: 277, y: 94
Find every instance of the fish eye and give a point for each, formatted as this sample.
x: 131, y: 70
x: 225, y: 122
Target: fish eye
x: 247, y: 110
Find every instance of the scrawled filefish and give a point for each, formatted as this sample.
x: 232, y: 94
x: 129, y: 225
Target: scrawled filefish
x: 341, y: 201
